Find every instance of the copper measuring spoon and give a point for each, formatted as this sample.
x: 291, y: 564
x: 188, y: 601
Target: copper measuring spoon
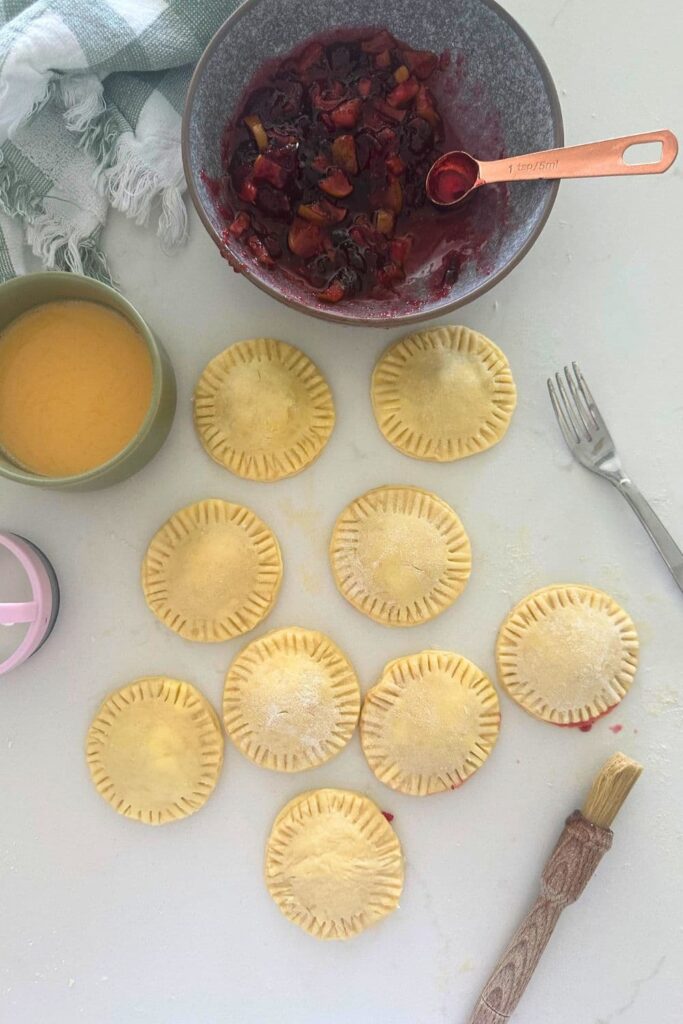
x: 455, y: 175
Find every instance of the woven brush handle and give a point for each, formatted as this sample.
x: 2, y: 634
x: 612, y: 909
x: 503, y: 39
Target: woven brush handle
x: 571, y: 864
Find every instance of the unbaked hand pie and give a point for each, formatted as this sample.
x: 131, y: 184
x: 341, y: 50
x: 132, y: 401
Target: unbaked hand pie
x: 567, y: 654
x: 400, y: 555
x: 155, y: 750
x: 263, y: 410
x: 291, y: 700
x: 333, y: 863
x: 213, y: 571
x: 429, y: 723
x: 443, y: 394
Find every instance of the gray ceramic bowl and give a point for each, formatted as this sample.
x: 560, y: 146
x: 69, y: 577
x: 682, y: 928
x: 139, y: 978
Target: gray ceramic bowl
x: 498, y: 93
x: 23, y: 293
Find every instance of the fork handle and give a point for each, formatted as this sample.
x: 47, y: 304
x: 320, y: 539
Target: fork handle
x: 663, y: 541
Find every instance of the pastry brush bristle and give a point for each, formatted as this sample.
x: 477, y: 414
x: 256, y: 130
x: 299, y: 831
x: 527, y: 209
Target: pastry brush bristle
x: 611, y: 786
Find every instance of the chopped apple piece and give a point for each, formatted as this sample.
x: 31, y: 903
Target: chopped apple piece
x: 266, y: 169
x: 424, y: 107
x: 255, y: 126
x: 322, y: 213
x: 404, y: 93
x: 304, y: 238
x: 421, y: 62
x: 393, y: 197
x: 384, y: 221
x: 344, y: 153
x: 336, y: 184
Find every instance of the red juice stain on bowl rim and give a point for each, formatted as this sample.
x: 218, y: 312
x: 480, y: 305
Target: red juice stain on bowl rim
x: 329, y: 243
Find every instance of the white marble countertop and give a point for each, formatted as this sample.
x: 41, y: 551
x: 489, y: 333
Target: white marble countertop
x: 111, y: 923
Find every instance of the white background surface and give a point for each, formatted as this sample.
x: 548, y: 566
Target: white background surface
x: 110, y: 922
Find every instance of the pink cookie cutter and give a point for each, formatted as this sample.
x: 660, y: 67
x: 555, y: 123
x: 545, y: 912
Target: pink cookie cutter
x: 41, y: 611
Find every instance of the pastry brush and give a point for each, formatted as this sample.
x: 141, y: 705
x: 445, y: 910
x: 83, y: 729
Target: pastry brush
x: 580, y: 848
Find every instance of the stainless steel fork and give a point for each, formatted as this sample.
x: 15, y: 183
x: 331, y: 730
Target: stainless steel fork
x: 591, y: 444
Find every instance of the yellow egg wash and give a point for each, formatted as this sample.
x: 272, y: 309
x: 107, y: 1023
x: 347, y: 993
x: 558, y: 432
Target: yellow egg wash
x: 75, y: 386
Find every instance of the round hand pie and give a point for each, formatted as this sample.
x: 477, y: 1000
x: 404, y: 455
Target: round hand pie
x: 443, y: 394
x: 155, y: 750
x: 567, y: 654
x: 263, y: 410
x: 333, y: 863
x: 291, y: 700
x: 400, y: 555
x: 429, y: 723
x: 212, y: 572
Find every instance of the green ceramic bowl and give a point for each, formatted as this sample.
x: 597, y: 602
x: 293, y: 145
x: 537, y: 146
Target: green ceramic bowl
x: 23, y: 293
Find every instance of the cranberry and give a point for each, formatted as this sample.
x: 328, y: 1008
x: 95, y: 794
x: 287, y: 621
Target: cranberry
x: 326, y: 99
x: 241, y: 223
x: 421, y: 62
x: 260, y: 252
x: 388, y: 111
x: 395, y: 165
x: 379, y: 42
x: 313, y: 54
x: 268, y: 170
x: 347, y: 114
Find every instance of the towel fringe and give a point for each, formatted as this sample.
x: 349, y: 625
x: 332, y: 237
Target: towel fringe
x: 132, y: 187
x: 60, y: 247
x: 57, y: 243
x: 83, y: 99
x: 17, y: 198
x: 129, y: 184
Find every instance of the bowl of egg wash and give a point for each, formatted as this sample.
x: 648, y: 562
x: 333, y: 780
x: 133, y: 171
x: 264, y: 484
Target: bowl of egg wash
x: 87, y: 393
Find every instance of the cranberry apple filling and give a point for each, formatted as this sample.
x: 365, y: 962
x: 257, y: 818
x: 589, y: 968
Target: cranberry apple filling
x: 325, y: 165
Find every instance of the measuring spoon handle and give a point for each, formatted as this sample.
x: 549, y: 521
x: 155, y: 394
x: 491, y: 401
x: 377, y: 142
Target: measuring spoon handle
x: 592, y: 160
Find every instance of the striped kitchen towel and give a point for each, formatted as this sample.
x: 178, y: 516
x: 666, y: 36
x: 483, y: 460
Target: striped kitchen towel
x: 91, y: 97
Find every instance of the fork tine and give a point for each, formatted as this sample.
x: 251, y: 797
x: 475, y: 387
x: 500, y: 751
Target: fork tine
x: 567, y: 407
x: 564, y: 425
x: 588, y: 398
x: 578, y: 404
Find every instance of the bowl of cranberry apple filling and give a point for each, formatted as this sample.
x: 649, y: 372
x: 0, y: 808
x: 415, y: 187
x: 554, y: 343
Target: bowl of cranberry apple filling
x: 308, y: 133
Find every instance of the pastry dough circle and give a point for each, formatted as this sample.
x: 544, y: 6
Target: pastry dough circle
x: 567, y: 654
x: 212, y: 571
x: 400, y: 555
x: 429, y: 723
x: 155, y: 750
x: 443, y: 394
x: 263, y: 410
x: 291, y: 700
x: 333, y: 863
